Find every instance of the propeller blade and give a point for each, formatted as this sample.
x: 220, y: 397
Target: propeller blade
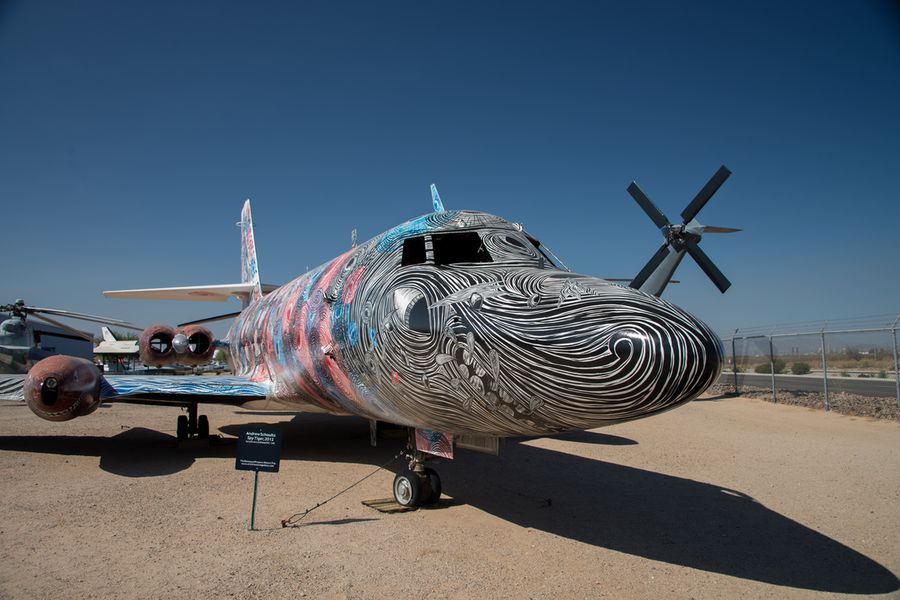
x: 705, y: 194
x: 61, y: 325
x: 83, y: 316
x: 707, y: 265
x: 645, y: 203
x: 714, y: 229
x: 651, y: 265
x: 211, y: 319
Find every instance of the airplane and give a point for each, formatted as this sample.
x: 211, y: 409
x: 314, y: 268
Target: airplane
x: 456, y: 325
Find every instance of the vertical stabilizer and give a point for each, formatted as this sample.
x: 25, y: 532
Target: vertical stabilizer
x: 249, y: 267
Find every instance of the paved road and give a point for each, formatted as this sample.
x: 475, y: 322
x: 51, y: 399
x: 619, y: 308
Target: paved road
x: 878, y: 388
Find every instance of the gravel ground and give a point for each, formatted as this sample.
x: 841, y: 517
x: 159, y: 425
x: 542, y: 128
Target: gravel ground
x: 840, y: 402
x: 722, y: 498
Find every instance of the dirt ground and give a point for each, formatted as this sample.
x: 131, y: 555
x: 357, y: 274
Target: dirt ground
x: 721, y: 498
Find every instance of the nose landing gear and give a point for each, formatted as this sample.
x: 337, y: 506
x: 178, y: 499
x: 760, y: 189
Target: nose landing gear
x: 417, y: 485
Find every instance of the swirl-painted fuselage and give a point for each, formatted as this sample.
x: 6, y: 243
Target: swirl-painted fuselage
x: 493, y: 340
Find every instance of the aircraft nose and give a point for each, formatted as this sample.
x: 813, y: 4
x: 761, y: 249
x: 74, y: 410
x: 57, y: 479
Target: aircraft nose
x: 657, y: 359
x: 600, y: 353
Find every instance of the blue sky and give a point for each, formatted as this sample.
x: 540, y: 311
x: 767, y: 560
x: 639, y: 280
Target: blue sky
x: 130, y: 133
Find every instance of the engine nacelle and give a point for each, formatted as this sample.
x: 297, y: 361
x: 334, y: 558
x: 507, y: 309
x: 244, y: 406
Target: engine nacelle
x: 194, y: 345
x: 156, y: 345
x: 162, y: 345
x: 60, y: 388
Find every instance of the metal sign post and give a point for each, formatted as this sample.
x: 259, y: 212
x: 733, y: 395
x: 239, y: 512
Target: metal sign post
x: 253, y: 506
x: 259, y: 449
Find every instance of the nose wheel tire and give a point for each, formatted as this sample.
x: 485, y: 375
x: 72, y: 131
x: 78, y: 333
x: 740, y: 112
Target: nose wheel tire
x: 408, y: 488
x: 412, y: 489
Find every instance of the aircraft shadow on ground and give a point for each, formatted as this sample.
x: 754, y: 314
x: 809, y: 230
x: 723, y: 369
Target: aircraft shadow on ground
x: 644, y: 513
x: 136, y: 452
x: 661, y: 517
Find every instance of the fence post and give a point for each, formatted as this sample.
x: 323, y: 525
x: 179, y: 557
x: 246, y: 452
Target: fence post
x: 734, y: 362
x: 896, y: 371
x: 772, y: 367
x: 824, y: 369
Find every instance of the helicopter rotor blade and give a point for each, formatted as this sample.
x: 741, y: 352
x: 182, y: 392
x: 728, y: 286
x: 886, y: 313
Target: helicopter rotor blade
x: 705, y: 194
x: 645, y: 203
x: 705, y: 263
x: 714, y: 229
x: 651, y: 265
x: 61, y: 325
x: 83, y: 316
x: 211, y: 319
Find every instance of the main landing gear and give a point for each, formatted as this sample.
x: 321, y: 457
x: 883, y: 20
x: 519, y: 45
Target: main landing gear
x: 192, y: 426
x: 417, y: 485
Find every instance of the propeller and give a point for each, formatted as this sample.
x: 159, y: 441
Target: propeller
x: 686, y: 236
x: 19, y: 309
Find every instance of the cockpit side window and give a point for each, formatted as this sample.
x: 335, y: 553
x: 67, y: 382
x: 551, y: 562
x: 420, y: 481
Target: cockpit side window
x: 413, y: 251
x: 537, y: 246
x: 459, y: 247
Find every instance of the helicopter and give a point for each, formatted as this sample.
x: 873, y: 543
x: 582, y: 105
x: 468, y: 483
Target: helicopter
x: 23, y: 342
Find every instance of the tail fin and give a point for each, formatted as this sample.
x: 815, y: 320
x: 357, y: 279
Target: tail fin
x: 249, y: 267
x: 108, y: 336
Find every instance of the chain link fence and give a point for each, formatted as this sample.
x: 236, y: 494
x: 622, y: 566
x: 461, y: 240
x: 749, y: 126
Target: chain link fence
x: 839, y: 367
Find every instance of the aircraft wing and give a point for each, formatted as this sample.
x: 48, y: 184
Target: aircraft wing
x: 176, y: 389
x: 161, y: 389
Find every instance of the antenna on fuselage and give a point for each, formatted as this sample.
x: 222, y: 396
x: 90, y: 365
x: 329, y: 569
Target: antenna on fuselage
x: 353, y: 239
x: 436, y: 199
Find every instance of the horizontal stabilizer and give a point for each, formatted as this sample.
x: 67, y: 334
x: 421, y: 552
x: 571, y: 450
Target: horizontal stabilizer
x: 201, y: 293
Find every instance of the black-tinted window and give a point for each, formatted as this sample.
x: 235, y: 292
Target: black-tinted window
x: 537, y: 246
x: 413, y: 251
x: 418, y: 317
x: 459, y: 247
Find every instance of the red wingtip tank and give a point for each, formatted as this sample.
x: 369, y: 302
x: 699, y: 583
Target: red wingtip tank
x: 60, y: 388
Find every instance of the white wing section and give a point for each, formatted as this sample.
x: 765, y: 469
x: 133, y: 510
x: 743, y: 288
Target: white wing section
x: 199, y: 293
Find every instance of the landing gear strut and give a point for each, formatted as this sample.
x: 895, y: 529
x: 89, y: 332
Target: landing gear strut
x: 191, y: 425
x: 416, y: 485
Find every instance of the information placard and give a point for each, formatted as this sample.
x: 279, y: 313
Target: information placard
x: 259, y: 448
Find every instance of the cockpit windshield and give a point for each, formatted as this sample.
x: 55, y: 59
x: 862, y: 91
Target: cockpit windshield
x: 459, y: 247
x: 481, y: 246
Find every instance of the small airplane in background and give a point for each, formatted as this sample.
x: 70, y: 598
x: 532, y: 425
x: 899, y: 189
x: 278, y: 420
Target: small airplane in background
x: 457, y: 325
